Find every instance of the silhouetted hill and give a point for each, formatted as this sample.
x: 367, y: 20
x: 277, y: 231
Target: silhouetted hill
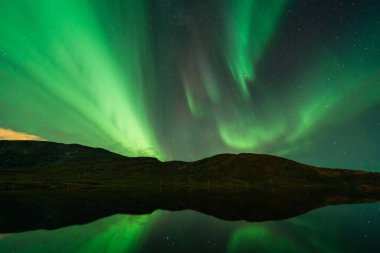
x: 49, y: 185
x: 30, y: 154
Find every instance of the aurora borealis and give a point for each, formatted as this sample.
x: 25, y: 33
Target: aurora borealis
x: 187, y: 79
x: 67, y: 79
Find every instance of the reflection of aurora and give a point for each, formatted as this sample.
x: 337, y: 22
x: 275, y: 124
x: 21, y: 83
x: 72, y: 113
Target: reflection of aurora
x: 119, y: 233
x: 332, y: 229
x: 183, y: 80
x: 291, y: 237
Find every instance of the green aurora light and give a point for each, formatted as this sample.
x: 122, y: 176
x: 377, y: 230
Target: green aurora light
x: 185, y: 80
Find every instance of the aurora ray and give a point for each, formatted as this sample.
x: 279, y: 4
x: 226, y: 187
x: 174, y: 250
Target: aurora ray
x: 68, y: 79
x: 250, y: 24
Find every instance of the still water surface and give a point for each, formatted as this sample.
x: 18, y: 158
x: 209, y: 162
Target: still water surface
x: 344, y: 228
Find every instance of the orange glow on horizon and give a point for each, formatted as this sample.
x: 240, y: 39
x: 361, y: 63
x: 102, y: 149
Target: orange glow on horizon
x: 8, y: 134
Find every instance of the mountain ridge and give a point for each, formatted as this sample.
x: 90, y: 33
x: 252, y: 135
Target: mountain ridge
x: 50, y: 185
x: 248, y: 169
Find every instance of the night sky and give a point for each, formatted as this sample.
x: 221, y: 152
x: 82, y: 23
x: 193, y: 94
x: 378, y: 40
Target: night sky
x: 180, y: 79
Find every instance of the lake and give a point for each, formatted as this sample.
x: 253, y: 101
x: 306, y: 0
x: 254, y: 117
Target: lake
x: 342, y: 228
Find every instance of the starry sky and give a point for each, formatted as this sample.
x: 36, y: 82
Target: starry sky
x: 180, y: 79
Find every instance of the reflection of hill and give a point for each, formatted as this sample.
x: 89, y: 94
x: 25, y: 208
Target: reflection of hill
x: 50, y: 185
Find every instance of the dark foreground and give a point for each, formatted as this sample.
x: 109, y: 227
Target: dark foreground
x: 47, y: 185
